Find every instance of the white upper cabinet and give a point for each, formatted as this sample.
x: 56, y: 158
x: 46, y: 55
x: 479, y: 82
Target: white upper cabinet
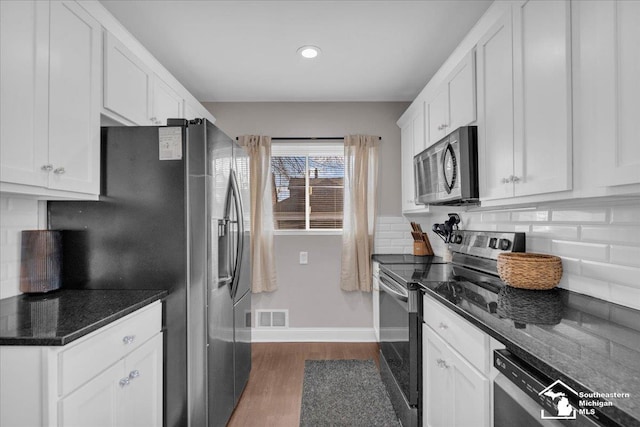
x: 74, y: 99
x: 607, y: 92
x: 455, y: 103
x: 167, y: 103
x: 495, y: 109
x: 24, y: 80
x: 412, y: 140
x: 542, y: 97
x: 50, y: 99
x: 524, y: 102
x: 127, y: 83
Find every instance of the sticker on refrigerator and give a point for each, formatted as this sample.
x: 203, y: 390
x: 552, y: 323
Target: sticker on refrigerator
x: 170, y: 143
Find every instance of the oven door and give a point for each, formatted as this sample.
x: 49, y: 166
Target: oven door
x: 399, y: 339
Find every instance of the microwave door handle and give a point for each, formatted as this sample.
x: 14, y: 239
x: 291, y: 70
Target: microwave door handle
x: 448, y: 187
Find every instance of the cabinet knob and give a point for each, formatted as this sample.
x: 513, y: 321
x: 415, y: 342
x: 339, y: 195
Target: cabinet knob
x: 514, y: 179
x: 134, y: 374
x: 442, y: 364
x: 443, y: 326
x: 444, y: 126
x: 128, y: 339
x: 59, y: 171
x: 47, y: 168
x: 124, y: 382
x: 505, y: 180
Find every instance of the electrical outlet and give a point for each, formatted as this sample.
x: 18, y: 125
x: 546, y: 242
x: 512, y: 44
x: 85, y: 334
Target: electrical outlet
x: 304, y: 257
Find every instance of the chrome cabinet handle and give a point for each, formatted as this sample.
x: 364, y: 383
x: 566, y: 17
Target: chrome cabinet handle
x: 59, y: 171
x: 124, y: 382
x: 442, y: 364
x: 134, y: 374
x: 47, y: 168
x: 514, y: 179
x: 443, y: 326
x: 129, y: 339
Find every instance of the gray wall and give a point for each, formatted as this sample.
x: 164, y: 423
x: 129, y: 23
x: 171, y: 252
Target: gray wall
x: 312, y: 292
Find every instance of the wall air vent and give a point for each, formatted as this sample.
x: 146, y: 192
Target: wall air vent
x: 272, y: 318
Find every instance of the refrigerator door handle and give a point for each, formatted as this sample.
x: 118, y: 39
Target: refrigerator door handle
x: 240, y: 232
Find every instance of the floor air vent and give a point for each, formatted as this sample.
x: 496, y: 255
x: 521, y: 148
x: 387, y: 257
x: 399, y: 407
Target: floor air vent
x: 272, y: 318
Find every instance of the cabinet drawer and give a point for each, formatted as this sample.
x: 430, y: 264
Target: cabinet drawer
x: 102, y: 348
x: 466, y: 339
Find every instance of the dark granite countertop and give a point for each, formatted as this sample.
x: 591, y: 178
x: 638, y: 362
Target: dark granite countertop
x: 62, y: 316
x: 406, y: 259
x: 590, y: 344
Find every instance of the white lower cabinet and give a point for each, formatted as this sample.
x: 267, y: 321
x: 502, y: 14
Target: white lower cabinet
x: 111, y: 377
x: 456, y: 370
x: 128, y: 393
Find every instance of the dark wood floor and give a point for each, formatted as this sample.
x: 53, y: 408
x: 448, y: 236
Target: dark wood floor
x: 274, y: 392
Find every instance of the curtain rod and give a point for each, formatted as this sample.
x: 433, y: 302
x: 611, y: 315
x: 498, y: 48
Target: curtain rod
x: 308, y: 138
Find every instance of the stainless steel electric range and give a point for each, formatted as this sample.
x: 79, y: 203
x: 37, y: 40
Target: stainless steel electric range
x: 401, y: 310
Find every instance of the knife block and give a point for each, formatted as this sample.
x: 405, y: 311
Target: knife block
x: 420, y: 248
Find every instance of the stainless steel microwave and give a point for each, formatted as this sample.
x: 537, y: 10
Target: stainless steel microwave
x: 447, y: 172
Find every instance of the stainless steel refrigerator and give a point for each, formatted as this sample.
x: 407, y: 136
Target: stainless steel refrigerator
x: 173, y: 214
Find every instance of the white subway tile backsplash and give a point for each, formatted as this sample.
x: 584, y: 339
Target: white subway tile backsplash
x: 571, y: 266
x: 16, y: 214
x: 579, y: 216
x: 599, y: 242
x: 393, y: 236
x: 625, y: 255
x: 625, y: 295
x: 611, y: 272
x: 590, y: 251
x: 611, y: 234
x: 538, y: 245
x: 595, y: 288
x: 556, y: 231
x: 626, y: 214
x: 530, y: 216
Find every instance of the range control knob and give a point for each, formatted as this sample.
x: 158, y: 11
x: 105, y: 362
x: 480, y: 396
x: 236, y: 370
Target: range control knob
x: 457, y: 238
x: 505, y: 244
x: 493, y: 243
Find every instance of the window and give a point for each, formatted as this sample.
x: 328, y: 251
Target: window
x: 308, y: 185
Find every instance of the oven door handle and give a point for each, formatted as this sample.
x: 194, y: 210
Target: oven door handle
x: 385, y: 285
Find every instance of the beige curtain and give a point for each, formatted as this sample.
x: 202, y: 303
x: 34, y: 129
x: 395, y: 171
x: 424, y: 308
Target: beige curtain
x: 360, y: 194
x: 263, y: 266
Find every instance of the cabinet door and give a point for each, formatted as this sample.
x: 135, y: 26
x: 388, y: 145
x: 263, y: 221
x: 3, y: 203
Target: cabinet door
x: 542, y: 97
x: 143, y: 395
x: 74, y: 99
x: 438, y: 116
x: 408, y: 185
x: 462, y: 94
x: 624, y: 158
x: 470, y: 394
x: 167, y: 104
x: 96, y: 403
x: 24, y: 79
x: 495, y: 110
x: 436, y: 381
x: 127, y: 83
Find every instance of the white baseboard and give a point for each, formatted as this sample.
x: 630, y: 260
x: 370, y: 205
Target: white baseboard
x: 312, y: 335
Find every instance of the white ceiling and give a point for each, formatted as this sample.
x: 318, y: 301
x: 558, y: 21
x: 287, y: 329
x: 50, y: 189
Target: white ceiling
x: 246, y: 50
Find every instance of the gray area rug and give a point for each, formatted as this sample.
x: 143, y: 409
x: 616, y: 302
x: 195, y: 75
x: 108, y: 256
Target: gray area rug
x: 345, y: 393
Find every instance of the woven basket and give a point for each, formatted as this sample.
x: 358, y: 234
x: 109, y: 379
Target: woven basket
x: 529, y: 270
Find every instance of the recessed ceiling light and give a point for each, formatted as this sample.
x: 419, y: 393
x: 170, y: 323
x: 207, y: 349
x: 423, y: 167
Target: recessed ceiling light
x: 309, y: 52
